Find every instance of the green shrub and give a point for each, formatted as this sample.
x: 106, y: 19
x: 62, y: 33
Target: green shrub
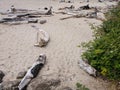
x: 81, y: 87
x: 103, y: 53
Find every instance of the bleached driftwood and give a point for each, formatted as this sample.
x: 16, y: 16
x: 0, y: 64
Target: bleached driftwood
x: 87, y: 68
x: 74, y: 16
x: 17, y: 20
x: 14, y: 11
x: 42, y: 37
x: 86, y: 15
x: 20, y: 16
x: 33, y: 71
x: 71, y: 7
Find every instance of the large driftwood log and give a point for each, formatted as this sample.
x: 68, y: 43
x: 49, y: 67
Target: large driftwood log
x: 33, y: 71
x: 71, y: 7
x: 87, y: 68
x: 86, y: 15
x: 73, y: 16
x: 42, y: 37
x: 14, y: 11
x: 19, y: 16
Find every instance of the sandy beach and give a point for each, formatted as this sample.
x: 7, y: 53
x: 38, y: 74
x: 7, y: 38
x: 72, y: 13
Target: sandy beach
x: 17, y: 51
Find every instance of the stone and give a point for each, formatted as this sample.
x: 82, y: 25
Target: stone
x: 21, y: 74
x: 43, y: 21
x: 1, y: 76
x: 10, y: 85
x: 39, y: 84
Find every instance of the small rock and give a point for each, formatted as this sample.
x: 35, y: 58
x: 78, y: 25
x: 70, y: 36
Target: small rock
x: 10, y: 85
x: 43, y: 21
x: 21, y: 75
x: 1, y: 75
x: 38, y: 84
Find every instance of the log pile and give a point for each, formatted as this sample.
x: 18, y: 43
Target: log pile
x: 83, y: 11
x: 19, y: 16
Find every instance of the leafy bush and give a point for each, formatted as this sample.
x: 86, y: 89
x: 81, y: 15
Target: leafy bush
x: 81, y: 87
x: 103, y: 53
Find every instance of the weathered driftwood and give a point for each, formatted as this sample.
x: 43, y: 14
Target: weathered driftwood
x: 86, y: 15
x: 32, y: 20
x: 87, y: 68
x: 33, y: 71
x: 14, y: 10
x: 71, y: 7
x: 17, y: 21
x: 20, y: 16
x: 73, y: 16
x: 42, y: 37
x: 66, y: 1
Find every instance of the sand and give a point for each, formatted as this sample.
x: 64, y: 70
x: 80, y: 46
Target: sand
x: 17, y: 51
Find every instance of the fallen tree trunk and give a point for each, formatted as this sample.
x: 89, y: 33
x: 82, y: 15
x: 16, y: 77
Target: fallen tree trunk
x: 87, y: 68
x: 19, y: 18
x: 32, y: 72
x: 25, y: 12
x: 42, y: 37
x: 16, y: 21
x: 86, y: 15
x: 73, y: 16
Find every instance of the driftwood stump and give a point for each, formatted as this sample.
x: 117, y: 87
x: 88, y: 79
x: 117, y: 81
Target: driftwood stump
x: 42, y: 37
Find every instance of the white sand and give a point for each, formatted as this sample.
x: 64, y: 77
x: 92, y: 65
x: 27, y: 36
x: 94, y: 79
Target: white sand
x: 17, y: 51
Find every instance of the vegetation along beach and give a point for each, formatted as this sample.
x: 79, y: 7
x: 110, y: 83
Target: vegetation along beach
x: 59, y: 45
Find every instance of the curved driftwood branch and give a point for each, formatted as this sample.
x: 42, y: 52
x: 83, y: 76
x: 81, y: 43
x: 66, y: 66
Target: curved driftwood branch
x: 33, y: 71
x: 42, y: 37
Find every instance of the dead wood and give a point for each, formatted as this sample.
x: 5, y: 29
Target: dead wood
x: 33, y: 71
x: 87, y: 68
x: 42, y: 37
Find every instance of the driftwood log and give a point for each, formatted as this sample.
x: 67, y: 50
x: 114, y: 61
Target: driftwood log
x: 86, y: 15
x: 19, y: 16
x: 71, y: 7
x: 87, y: 68
x: 74, y: 16
x: 32, y: 72
x: 14, y: 11
x: 42, y: 37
